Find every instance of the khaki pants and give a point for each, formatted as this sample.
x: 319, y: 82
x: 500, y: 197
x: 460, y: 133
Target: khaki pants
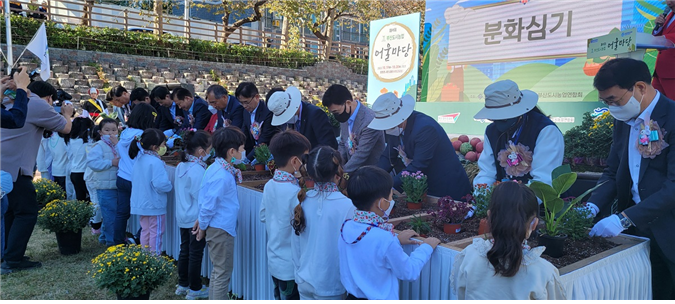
x: 221, y: 249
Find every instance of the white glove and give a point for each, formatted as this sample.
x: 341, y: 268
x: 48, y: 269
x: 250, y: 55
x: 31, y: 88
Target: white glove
x: 253, y: 162
x: 607, y: 227
x: 169, y: 143
x: 470, y: 214
x: 592, y: 208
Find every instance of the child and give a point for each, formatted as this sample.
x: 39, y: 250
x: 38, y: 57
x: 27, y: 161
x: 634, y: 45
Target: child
x: 102, y: 160
x: 317, y: 221
x: 96, y: 221
x: 372, y: 260
x: 58, y: 149
x: 189, y: 175
x: 77, y: 154
x: 506, y: 265
x: 44, y: 157
x: 148, y: 197
x: 219, y: 206
x: 279, y: 198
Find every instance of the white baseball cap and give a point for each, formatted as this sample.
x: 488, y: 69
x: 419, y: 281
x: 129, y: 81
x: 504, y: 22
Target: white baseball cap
x: 391, y: 111
x: 503, y: 100
x: 284, y: 105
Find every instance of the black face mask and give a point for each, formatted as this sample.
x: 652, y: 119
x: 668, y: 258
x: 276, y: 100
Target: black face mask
x: 506, y: 124
x: 344, y: 116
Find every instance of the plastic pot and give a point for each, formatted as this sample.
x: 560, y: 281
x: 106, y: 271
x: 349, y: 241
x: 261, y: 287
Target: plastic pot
x: 554, y: 244
x: 259, y: 167
x: 452, y: 228
x: 69, y: 242
x: 414, y: 206
x: 484, y: 227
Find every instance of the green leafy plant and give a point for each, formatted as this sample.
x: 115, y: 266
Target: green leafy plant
x: 414, y: 185
x: 262, y: 154
x: 420, y: 225
x: 47, y: 191
x: 130, y: 270
x: 555, y: 207
x: 480, y: 199
x: 590, y: 140
x: 576, y: 222
x: 65, y: 216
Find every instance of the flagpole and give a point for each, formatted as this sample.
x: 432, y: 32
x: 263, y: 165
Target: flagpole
x: 8, y: 23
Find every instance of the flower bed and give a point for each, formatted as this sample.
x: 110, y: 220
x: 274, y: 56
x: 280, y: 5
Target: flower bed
x: 469, y: 229
x: 578, y: 250
x: 401, y: 210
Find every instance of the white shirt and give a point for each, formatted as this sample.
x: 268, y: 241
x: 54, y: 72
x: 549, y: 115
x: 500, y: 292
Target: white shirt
x: 126, y: 164
x: 276, y: 211
x: 634, y: 157
x: 151, y: 185
x: 59, y: 154
x: 77, y: 154
x: 473, y: 277
x: 44, y: 157
x: 547, y: 156
x: 315, y: 252
x: 187, y: 185
x: 371, y: 268
x: 218, y: 201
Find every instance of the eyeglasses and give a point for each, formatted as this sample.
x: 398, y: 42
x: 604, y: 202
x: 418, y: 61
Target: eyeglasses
x: 614, y: 102
x: 247, y: 102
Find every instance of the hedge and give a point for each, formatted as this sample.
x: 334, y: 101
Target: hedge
x: 146, y: 44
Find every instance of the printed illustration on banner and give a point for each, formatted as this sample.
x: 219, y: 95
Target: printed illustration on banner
x: 448, y: 118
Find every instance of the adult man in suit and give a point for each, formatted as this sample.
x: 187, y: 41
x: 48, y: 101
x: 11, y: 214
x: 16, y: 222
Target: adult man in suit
x: 641, y: 177
x: 359, y: 145
x: 664, y: 73
x: 167, y: 110
x: 256, y: 120
x: 197, y: 109
x: 291, y: 112
x: 227, y: 107
x: 424, y: 146
x: 119, y: 97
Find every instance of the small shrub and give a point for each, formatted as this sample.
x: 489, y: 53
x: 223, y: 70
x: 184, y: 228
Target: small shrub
x: 577, y: 222
x: 65, y: 216
x: 420, y: 225
x: 47, y: 191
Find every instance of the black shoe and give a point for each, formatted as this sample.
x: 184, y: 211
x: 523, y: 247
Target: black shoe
x: 9, y: 267
x: 25, y: 258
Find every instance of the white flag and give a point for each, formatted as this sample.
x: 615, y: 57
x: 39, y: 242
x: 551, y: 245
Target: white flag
x: 38, y: 46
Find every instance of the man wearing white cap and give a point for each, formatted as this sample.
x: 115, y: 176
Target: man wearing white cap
x: 95, y: 106
x: 308, y: 119
x: 522, y: 143
x: 424, y: 146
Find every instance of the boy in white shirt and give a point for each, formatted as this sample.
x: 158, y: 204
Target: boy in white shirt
x: 279, y: 199
x: 371, y: 257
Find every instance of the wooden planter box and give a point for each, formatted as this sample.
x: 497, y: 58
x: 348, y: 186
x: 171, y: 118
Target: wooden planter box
x: 253, y: 184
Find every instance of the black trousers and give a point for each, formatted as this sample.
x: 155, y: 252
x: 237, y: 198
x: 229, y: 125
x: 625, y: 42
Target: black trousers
x: 190, y: 260
x: 352, y: 297
x: 80, y: 186
x: 20, y: 218
x: 663, y: 269
x: 61, y: 180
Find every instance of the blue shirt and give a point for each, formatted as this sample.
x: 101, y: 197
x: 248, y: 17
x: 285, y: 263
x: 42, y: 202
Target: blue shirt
x: 192, y: 106
x: 172, y: 109
x: 352, y: 118
x: 253, y: 113
x: 218, y: 201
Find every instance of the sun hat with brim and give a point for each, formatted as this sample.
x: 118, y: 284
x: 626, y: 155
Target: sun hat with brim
x: 284, y: 105
x: 93, y: 90
x: 503, y: 100
x: 391, y: 111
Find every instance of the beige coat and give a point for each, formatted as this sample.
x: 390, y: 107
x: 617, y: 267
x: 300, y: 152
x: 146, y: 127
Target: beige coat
x: 473, y: 277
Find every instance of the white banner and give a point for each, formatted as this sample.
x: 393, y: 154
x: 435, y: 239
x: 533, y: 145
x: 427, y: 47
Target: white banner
x: 38, y: 46
x: 535, y: 30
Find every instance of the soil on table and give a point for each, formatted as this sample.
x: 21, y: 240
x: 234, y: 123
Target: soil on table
x: 401, y: 208
x: 257, y: 177
x: 260, y: 187
x: 469, y: 229
x: 576, y: 250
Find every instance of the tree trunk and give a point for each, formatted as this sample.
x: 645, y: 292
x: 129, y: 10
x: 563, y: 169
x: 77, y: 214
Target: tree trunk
x: 88, y: 8
x: 284, y: 34
x: 329, y: 38
x: 159, y: 11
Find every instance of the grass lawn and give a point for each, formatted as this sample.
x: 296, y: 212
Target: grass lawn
x: 65, y: 277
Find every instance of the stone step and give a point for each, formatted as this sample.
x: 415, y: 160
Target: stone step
x: 96, y: 83
x: 81, y: 82
x: 88, y: 70
x: 88, y: 77
x: 82, y: 89
x: 66, y: 83
x: 121, y: 72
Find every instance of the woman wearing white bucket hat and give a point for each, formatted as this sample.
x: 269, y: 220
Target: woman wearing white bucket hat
x: 95, y: 106
x: 522, y: 143
x: 424, y: 146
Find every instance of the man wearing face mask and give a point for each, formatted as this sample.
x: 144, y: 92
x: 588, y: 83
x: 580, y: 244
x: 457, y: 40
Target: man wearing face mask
x: 522, y: 143
x: 424, y: 146
x: 293, y: 113
x: 640, y: 167
x: 227, y: 108
x: 359, y: 144
x: 257, y: 119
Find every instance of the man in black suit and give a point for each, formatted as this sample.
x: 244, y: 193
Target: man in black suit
x: 641, y: 167
x: 257, y: 119
x: 228, y: 109
x: 291, y: 112
x: 197, y: 110
x: 167, y: 110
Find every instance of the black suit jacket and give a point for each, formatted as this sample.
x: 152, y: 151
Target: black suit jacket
x: 655, y: 214
x: 314, y: 125
x: 201, y: 113
x: 389, y: 161
x: 264, y: 117
x: 166, y: 120
x: 233, y: 112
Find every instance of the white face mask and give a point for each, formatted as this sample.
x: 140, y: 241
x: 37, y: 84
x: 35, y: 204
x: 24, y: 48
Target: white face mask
x: 237, y: 161
x: 388, y: 211
x: 628, y: 111
x: 294, y: 119
x: 395, y: 131
x: 205, y: 157
x: 212, y: 109
x: 105, y: 137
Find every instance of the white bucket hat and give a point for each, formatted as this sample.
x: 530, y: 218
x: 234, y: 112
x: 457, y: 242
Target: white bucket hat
x: 391, y: 111
x: 284, y: 105
x: 93, y: 90
x: 503, y: 100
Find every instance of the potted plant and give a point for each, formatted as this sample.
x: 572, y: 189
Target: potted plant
x: 47, y: 191
x: 415, y: 187
x: 272, y: 165
x: 420, y: 225
x: 130, y: 271
x: 451, y: 214
x: 481, y: 201
x: 262, y: 155
x: 66, y: 219
x: 555, y: 208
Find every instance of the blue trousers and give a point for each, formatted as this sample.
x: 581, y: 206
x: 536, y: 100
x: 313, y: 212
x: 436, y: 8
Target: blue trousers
x: 107, y: 201
x: 123, y: 212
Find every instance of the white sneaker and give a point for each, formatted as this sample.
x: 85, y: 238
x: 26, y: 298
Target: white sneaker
x: 202, y: 294
x: 181, y: 291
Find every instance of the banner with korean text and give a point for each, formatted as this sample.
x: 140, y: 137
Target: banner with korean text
x: 394, y: 61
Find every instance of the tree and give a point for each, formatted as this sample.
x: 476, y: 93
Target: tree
x: 239, y: 7
x: 88, y: 8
